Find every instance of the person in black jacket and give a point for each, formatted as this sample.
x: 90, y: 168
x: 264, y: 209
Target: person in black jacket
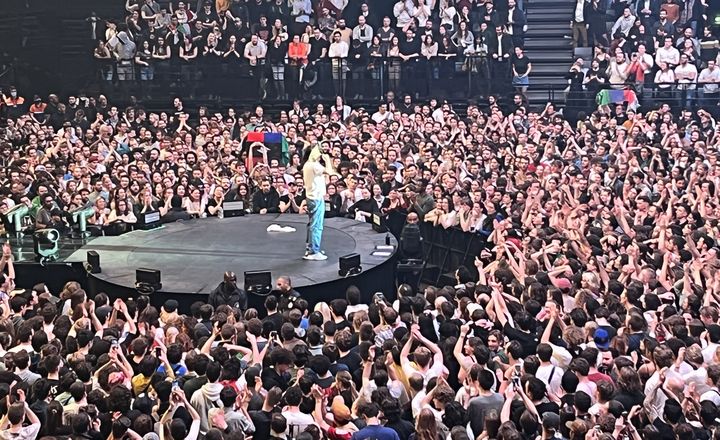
x: 228, y: 293
x: 266, y: 200
x: 176, y: 212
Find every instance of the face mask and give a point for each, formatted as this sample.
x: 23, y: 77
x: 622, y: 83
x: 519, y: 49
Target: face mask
x: 13, y: 94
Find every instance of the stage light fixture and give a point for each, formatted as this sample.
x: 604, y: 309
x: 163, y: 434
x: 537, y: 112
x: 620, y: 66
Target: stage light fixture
x: 93, y: 262
x: 15, y: 217
x: 80, y: 216
x: 349, y: 265
x: 147, y: 281
x: 258, y: 282
x: 45, y: 244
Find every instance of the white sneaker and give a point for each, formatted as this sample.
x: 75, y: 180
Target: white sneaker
x: 315, y: 257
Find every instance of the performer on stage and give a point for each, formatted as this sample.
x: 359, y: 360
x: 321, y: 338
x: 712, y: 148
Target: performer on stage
x: 317, y: 166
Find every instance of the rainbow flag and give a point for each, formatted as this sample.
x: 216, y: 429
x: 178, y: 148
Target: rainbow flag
x: 605, y: 97
x: 273, y: 141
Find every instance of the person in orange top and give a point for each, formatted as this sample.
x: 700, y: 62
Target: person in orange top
x: 297, y: 59
x: 15, y: 104
x: 37, y: 110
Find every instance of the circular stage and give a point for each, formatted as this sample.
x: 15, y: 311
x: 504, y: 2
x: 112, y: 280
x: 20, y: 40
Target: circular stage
x: 193, y: 255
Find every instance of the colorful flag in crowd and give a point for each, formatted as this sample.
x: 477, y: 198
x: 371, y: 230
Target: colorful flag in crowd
x: 274, y: 142
x: 605, y: 97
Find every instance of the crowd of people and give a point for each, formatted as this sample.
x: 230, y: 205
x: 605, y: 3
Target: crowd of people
x: 591, y: 313
x: 667, y: 50
x: 325, y: 48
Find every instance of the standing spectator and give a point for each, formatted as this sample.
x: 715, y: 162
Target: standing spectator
x: 580, y: 23
x: 618, y: 70
x: 516, y: 23
x: 338, y: 53
x: 667, y: 54
x: 521, y: 68
x: 300, y: 14
x: 624, y: 23
x: 255, y: 52
x: 664, y: 80
x: 124, y: 49
x: 363, y: 32
x: 709, y: 82
x: 500, y: 47
x: 297, y: 60
x: 686, y: 76
x: 276, y: 55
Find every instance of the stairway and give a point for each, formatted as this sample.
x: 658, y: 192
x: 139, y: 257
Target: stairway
x: 547, y: 47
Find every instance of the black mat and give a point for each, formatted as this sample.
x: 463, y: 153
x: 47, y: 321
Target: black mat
x: 193, y: 255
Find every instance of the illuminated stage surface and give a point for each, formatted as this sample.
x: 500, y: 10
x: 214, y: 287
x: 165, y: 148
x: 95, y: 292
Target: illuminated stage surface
x: 193, y: 255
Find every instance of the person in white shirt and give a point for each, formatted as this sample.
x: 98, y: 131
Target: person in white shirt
x: 664, y: 78
x: 382, y: 114
x: 297, y: 421
x: 698, y: 373
x: 709, y: 78
x: 667, y: 54
x: 404, y: 11
x: 624, y: 23
x: 338, y: 52
x: 447, y: 15
x: 548, y: 372
x: 710, y: 350
x: 713, y: 394
x: 686, y: 76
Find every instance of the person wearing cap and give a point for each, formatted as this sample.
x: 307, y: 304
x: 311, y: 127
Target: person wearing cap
x: 228, y: 293
x: 342, y: 427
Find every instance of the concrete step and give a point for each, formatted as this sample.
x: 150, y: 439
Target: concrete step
x: 547, y: 44
x: 556, y: 31
x: 560, y: 68
x: 550, y: 56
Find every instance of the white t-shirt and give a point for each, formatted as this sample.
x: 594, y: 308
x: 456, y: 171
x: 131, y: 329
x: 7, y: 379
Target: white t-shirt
x: 314, y: 180
x: 683, y: 74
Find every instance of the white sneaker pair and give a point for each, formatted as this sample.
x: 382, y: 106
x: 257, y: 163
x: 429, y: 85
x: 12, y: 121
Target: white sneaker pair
x: 315, y: 257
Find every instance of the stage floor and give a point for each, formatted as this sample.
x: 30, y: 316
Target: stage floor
x: 193, y: 255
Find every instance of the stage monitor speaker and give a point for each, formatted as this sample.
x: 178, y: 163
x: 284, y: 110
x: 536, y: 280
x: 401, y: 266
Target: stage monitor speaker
x: 147, y: 280
x: 258, y: 282
x: 93, y: 260
x: 349, y: 265
x: 234, y: 209
x: 378, y: 222
x: 149, y: 220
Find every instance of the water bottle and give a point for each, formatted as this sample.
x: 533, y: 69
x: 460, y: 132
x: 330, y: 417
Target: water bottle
x: 220, y: 213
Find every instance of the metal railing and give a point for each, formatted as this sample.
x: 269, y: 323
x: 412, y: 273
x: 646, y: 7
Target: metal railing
x: 466, y: 77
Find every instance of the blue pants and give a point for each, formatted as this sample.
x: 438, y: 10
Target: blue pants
x: 316, y: 214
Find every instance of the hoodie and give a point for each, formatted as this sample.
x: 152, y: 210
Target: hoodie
x: 204, y: 399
